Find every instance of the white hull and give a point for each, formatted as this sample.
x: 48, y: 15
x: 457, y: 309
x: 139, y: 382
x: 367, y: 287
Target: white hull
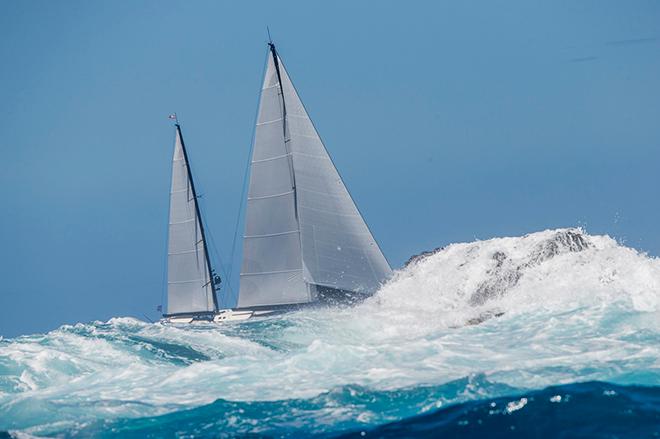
x: 177, y: 320
x: 222, y: 316
x: 229, y: 315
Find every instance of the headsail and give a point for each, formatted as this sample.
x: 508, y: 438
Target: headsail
x: 190, y: 288
x: 271, y: 273
x: 303, y: 230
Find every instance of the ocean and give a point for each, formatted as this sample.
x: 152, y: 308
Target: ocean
x: 552, y: 334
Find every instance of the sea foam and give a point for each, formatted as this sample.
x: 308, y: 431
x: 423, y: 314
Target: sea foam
x: 471, y: 321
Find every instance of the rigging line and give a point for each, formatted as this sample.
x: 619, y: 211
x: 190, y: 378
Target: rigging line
x: 287, y: 139
x: 163, y: 280
x: 338, y: 173
x: 238, y: 214
x: 218, y: 255
x: 246, y: 175
x: 163, y: 284
x: 197, y: 212
x: 214, y: 248
x: 285, y: 131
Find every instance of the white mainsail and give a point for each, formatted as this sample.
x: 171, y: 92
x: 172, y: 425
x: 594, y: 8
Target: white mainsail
x: 302, y: 229
x: 190, y: 289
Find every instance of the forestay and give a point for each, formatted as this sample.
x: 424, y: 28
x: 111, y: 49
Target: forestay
x: 271, y: 273
x: 302, y: 226
x: 189, y: 286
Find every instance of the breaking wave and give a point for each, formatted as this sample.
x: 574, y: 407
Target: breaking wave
x: 463, y: 324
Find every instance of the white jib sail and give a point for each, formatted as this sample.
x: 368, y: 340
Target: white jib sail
x: 271, y: 273
x: 189, y: 286
x: 302, y: 226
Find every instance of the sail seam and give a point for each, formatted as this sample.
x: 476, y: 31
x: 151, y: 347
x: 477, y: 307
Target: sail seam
x: 322, y: 193
x: 332, y: 212
x: 271, y: 158
x: 269, y: 121
x: 271, y: 234
x: 270, y: 196
x: 340, y: 260
x: 183, y: 222
x: 359, y: 214
x: 311, y: 155
x: 185, y: 281
x: 344, y: 246
x: 184, y: 252
x: 198, y: 228
x: 271, y: 272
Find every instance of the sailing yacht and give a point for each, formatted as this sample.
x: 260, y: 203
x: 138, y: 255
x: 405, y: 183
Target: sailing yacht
x: 305, y: 241
x: 191, y: 282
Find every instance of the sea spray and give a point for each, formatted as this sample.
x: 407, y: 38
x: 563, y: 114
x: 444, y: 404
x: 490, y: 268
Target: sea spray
x: 470, y: 322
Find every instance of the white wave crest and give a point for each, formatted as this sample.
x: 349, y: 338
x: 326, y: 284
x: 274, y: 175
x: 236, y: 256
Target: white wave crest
x: 546, y: 308
x: 553, y: 269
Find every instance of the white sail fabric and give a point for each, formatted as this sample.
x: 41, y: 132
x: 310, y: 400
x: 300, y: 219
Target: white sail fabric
x: 302, y: 227
x: 271, y: 273
x: 337, y: 247
x: 189, y: 286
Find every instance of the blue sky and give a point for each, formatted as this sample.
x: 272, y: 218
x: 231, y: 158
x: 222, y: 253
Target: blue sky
x: 449, y: 121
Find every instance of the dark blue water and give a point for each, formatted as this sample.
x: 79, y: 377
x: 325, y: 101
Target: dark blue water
x: 583, y: 410
x: 425, y: 357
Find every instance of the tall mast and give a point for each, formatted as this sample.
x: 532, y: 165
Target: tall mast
x: 273, y: 52
x: 287, y: 139
x: 199, y: 216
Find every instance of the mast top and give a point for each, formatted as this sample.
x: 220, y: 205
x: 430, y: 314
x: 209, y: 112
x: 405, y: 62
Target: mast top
x: 271, y: 45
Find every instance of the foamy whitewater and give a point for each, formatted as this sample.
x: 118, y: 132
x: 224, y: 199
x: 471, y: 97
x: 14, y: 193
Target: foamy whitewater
x: 490, y: 321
